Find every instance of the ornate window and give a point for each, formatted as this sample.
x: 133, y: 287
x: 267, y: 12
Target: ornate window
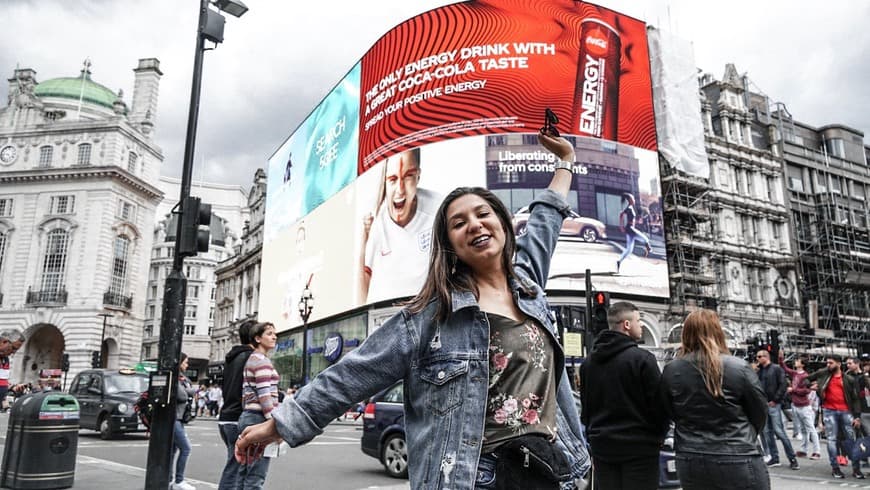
x: 45, y: 154
x: 120, y: 259
x: 6, y: 207
x: 54, y: 261
x: 84, y: 154
x: 131, y: 162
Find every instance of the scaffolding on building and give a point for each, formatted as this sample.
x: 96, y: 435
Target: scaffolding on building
x: 691, y: 239
x: 834, y: 261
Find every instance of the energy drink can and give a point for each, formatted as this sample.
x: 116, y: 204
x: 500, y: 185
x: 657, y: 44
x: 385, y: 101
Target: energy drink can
x: 596, y: 94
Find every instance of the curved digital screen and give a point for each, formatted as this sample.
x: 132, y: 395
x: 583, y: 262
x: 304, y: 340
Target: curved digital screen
x: 455, y: 96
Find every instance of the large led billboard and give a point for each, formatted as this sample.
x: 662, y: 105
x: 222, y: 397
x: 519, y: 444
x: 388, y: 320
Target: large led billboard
x: 455, y: 96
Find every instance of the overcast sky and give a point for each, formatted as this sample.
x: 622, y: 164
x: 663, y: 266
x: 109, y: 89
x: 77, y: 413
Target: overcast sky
x: 283, y: 56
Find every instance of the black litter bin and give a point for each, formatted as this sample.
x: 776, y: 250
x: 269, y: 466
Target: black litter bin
x: 41, y: 442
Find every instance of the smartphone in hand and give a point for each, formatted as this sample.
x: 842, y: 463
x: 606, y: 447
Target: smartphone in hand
x: 550, y: 122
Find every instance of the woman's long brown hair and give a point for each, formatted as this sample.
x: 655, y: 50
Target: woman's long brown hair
x: 446, y: 272
x: 703, y: 336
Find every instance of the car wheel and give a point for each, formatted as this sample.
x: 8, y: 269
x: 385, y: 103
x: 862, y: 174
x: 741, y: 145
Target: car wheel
x: 589, y: 234
x: 105, y: 428
x: 394, y: 456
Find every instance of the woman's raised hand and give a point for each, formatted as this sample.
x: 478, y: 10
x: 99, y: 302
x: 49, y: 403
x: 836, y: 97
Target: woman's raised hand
x: 558, y: 145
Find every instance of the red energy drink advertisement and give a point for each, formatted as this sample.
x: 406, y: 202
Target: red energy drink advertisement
x: 596, y: 93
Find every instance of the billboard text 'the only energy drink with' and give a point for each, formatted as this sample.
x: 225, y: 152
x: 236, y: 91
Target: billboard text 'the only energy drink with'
x: 596, y: 96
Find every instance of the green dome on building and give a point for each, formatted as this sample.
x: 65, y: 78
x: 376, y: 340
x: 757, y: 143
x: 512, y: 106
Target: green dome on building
x: 75, y: 87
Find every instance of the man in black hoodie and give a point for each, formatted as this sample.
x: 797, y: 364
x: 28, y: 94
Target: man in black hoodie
x: 625, y: 421
x: 228, y: 420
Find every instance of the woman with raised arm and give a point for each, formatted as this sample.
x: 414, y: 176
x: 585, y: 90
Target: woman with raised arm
x: 487, y: 400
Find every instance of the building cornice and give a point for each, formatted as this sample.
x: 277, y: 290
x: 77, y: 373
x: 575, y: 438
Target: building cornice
x: 85, y: 127
x: 83, y: 172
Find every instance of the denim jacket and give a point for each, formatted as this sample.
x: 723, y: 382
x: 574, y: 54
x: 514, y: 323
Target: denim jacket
x: 445, y: 368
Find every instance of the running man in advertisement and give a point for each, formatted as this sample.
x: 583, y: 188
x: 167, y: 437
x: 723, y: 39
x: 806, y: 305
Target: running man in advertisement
x: 397, y: 236
x: 632, y: 234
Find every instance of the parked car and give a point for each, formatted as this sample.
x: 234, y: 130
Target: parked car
x: 106, y: 398
x: 384, y: 437
x: 590, y: 230
x: 384, y: 431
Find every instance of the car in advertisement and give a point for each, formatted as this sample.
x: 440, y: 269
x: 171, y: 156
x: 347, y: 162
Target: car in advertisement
x: 106, y: 398
x: 588, y: 229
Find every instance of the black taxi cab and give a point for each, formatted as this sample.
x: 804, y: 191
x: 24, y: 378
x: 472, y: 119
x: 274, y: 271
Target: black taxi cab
x: 106, y: 398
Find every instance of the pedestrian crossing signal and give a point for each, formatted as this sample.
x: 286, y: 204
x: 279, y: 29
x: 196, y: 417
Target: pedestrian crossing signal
x: 600, y: 305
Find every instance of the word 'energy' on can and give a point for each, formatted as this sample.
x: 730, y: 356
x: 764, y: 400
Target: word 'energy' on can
x: 596, y: 95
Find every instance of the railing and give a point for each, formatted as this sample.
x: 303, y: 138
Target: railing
x: 46, y: 298
x: 117, y: 299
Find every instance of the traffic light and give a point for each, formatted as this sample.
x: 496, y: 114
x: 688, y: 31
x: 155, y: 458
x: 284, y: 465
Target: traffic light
x: 600, y: 305
x: 195, y: 219
x: 96, y: 362
x: 64, y: 362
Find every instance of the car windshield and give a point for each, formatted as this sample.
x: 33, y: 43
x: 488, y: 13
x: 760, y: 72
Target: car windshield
x: 134, y: 383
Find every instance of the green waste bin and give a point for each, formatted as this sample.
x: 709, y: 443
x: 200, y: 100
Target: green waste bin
x: 41, y: 442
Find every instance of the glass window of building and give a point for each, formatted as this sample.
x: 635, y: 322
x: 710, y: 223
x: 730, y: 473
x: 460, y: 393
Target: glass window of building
x: 835, y: 184
x: 6, y: 207
x: 126, y: 210
x: 45, y: 155
x: 821, y: 182
x: 62, y: 205
x: 836, y: 147
x: 857, y: 190
x: 190, y: 311
x: 189, y: 329
x: 795, y: 179
x: 131, y: 162
x: 118, y: 283
x: 54, y: 261
x: 84, y: 157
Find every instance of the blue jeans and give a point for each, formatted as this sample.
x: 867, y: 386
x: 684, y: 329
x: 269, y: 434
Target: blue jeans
x: 252, y: 476
x: 774, y: 430
x: 631, y: 236
x: 836, y: 420
x: 720, y: 471
x: 485, y: 479
x: 229, y: 434
x: 181, y: 444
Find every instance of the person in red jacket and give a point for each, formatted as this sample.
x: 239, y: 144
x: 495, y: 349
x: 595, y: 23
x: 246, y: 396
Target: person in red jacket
x: 805, y: 416
x: 840, y: 409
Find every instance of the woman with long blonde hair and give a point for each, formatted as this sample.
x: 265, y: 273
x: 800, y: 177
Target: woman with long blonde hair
x: 718, y: 409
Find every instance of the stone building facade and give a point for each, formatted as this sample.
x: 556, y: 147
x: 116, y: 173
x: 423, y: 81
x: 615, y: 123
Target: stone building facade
x: 237, y: 279
x: 78, y: 175
x: 229, y: 211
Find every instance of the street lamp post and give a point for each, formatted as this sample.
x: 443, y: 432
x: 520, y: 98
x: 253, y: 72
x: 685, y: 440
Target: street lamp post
x: 103, y: 363
x: 164, y: 384
x: 306, y: 304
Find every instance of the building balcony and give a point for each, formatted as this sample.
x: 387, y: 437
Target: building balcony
x: 117, y: 300
x: 46, y: 298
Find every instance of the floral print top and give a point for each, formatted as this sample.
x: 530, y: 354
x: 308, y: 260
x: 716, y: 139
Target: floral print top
x: 522, y: 383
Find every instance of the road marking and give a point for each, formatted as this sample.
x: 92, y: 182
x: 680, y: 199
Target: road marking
x: 130, y: 470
